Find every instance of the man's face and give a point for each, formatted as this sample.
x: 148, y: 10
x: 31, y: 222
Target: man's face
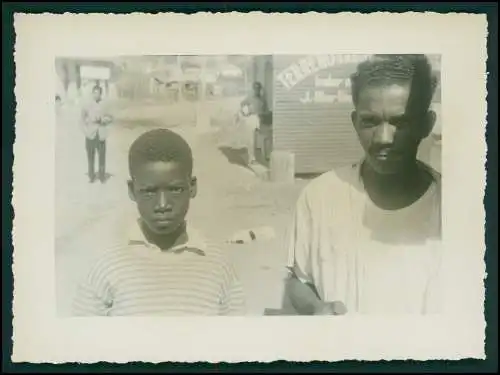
x: 96, y: 94
x: 162, y: 192
x: 389, y: 130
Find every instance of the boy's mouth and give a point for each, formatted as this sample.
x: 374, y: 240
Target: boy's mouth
x: 163, y: 221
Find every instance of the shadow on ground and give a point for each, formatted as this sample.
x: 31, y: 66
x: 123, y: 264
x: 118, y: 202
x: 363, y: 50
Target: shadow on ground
x: 145, y: 123
x: 107, y: 176
x: 236, y: 156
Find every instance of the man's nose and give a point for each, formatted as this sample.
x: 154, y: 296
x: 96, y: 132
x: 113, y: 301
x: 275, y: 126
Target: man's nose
x: 385, y: 133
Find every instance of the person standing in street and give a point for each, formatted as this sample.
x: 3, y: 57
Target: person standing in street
x: 95, y: 123
x: 252, y: 109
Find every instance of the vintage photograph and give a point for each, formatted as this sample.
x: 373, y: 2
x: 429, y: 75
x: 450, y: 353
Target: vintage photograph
x: 249, y: 187
x: 206, y: 185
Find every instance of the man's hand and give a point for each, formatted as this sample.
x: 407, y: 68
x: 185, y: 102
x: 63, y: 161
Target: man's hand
x: 105, y: 120
x: 330, y: 308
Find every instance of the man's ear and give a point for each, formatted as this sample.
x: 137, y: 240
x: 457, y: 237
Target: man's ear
x: 193, y: 189
x: 131, y: 191
x: 354, y: 120
x: 429, y: 122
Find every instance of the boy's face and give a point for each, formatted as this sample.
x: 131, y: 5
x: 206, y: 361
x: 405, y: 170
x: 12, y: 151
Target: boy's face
x: 389, y: 130
x: 162, y: 191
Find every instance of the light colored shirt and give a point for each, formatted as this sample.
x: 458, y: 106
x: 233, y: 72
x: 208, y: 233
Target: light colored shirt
x: 91, y: 115
x: 139, y: 279
x: 256, y: 105
x: 375, y: 261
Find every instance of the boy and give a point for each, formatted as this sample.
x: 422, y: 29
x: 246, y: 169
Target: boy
x: 96, y: 121
x: 366, y: 238
x: 165, y: 269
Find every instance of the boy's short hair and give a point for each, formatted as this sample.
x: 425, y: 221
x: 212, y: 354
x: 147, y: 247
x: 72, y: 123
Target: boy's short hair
x: 160, y: 145
x: 382, y: 69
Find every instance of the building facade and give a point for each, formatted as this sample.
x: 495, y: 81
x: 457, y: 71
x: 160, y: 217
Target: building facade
x: 310, y: 100
x: 76, y: 76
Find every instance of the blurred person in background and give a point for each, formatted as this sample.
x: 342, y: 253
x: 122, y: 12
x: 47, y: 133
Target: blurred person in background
x: 96, y: 119
x: 252, y: 111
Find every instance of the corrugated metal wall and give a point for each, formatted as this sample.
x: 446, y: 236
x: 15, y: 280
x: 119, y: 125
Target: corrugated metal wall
x: 319, y: 134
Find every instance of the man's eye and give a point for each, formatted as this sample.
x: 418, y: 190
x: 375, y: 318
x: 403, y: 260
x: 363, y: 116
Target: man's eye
x: 400, y: 124
x: 369, y: 122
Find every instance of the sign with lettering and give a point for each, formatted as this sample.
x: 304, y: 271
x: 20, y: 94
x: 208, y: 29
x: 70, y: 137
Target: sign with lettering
x: 327, y: 77
x: 313, y: 64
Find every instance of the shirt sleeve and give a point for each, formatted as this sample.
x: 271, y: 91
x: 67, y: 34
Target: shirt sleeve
x: 84, y: 115
x: 233, y: 302
x: 94, y: 296
x: 299, y: 241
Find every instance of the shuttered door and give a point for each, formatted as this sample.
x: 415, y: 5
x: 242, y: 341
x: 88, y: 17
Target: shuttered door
x: 312, y: 117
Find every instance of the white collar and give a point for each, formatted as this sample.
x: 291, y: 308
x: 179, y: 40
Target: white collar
x: 195, y: 242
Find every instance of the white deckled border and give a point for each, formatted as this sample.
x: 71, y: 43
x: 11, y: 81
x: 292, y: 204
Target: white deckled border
x: 41, y: 337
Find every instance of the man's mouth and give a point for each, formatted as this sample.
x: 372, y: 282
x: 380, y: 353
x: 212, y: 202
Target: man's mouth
x: 385, y: 155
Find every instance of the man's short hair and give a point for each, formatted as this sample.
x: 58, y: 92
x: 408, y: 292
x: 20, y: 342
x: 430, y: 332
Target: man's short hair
x: 160, y: 145
x: 257, y: 85
x: 386, y: 69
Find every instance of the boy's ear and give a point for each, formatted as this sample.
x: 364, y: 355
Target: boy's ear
x: 131, y: 192
x: 194, y: 187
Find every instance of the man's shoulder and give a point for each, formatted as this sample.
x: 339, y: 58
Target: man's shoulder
x: 436, y: 175
x: 333, y: 181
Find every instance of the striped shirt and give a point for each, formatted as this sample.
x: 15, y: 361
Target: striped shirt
x: 139, y: 279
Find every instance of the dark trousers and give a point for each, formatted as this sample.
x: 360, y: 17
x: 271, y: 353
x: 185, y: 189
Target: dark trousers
x: 92, y: 146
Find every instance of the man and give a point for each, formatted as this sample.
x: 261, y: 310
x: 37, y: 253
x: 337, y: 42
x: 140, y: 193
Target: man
x: 252, y: 110
x: 366, y: 238
x: 95, y: 123
x: 256, y: 102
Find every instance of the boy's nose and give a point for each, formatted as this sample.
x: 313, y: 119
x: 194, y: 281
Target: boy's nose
x: 163, y: 202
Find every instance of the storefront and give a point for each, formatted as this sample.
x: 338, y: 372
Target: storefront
x: 76, y: 75
x: 311, y: 112
x: 310, y: 101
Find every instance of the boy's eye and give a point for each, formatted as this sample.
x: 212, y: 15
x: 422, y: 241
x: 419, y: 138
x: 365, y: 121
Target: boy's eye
x: 177, y: 189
